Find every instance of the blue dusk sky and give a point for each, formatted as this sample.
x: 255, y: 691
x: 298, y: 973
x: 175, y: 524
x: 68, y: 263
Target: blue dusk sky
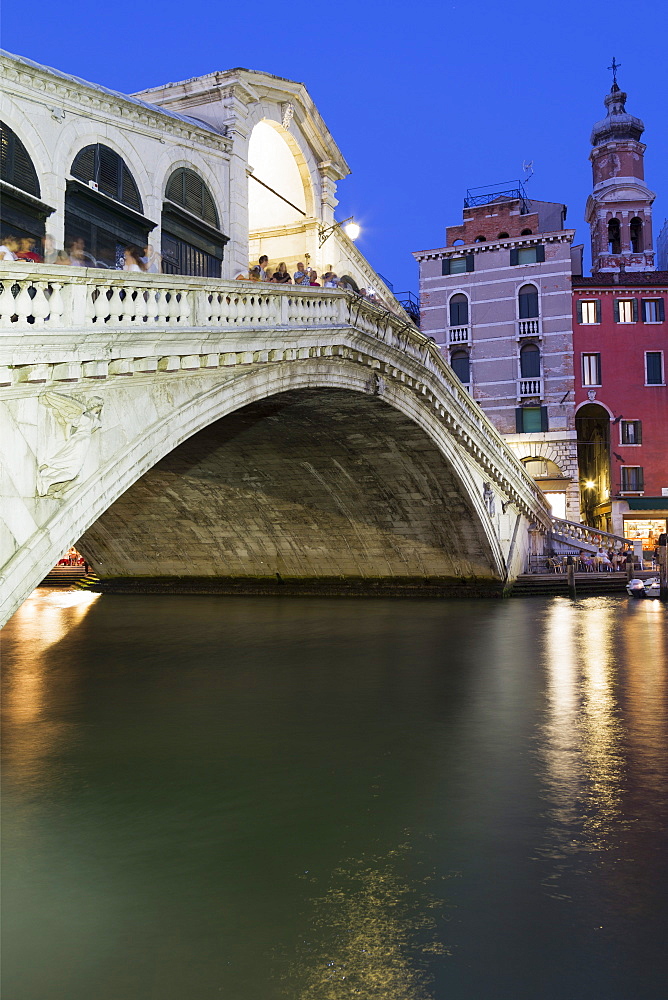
x: 424, y: 100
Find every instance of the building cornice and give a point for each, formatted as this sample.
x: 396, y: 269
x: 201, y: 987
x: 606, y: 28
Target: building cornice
x: 560, y: 236
x: 76, y: 97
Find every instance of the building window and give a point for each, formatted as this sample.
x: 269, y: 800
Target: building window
x: 653, y: 367
x: 526, y: 232
x: 626, y: 310
x: 530, y: 361
x: 653, y: 311
x: 16, y: 167
x: 631, y: 431
x: 531, y: 419
x: 527, y: 255
x: 589, y: 311
x: 528, y: 302
x: 502, y: 236
x: 458, y: 265
x: 186, y: 188
x: 461, y: 366
x: 108, y: 170
x: 614, y: 239
x: 591, y: 369
x: 632, y: 479
x: 481, y: 239
x: 459, y: 310
x: 635, y: 231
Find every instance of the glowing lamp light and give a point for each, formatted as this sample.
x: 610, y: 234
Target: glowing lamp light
x: 352, y: 230
x: 590, y: 484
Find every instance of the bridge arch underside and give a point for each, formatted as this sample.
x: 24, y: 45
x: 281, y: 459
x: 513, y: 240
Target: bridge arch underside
x: 310, y: 490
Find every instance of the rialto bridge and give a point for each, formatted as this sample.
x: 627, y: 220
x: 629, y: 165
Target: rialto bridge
x: 210, y: 430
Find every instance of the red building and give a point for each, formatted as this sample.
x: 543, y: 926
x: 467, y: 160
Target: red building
x: 620, y: 343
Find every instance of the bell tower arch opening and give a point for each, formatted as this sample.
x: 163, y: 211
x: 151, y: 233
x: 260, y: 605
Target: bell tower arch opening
x: 280, y: 196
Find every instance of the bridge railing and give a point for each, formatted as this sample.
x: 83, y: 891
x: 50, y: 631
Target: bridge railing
x: 37, y: 300
x: 591, y: 537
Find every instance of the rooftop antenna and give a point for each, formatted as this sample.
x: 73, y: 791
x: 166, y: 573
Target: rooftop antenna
x: 527, y: 167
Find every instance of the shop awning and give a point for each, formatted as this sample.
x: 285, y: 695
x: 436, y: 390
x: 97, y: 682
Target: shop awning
x: 647, y: 503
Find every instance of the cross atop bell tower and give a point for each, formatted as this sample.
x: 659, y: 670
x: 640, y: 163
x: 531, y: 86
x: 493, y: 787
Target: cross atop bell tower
x: 619, y: 209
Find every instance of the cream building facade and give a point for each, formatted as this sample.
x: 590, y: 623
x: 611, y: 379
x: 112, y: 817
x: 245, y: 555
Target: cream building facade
x: 251, y: 160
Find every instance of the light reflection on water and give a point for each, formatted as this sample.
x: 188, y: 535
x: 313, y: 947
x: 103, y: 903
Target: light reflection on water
x: 172, y: 767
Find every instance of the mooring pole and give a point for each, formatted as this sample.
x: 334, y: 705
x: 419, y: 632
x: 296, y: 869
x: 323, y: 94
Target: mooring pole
x: 629, y: 566
x: 570, y: 570
x: 663, y: 568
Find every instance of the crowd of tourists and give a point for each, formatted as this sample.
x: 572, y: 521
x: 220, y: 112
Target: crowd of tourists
x: 601, y: 561
x: 74, y: 254
x: 263, y: 271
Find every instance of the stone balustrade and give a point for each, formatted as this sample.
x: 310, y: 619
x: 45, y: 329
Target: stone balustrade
x: 459, y: 335
x: 62, y: 324
x: 530, y: 387
x: 528, y: 328
x: 575, y: 533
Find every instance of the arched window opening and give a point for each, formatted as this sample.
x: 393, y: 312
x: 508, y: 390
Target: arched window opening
x: 614, y: 238
x: 459, y: 310
x: 526, y: 232
x: 22, y: 215
x: 542, y: 468
x: 192, y: 242
x: 109, y: 171
x: 461, y: 366
x: 528, y: 302
x: 103, y: 209
x: 481, y: 239
x: 530, y: 361
x: 16, y: 167
x: 503, y: 236
x: 458, y: 243
x: 187, y: 189
x: 635, y: 230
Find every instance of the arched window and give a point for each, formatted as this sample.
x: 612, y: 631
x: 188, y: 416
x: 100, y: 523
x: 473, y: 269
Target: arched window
x: 528, y: 302
x: 530, y: 361
x: 109, y: 171
x: 614, y: 240
x: 459, y: 310
x: 481, y: 239
x: 526, y: 232
x: 187, y: 189
x: 461, y: 366
x: 635, y: 230
x: 16, y: 167
x: 192, y: 242
x: 502, y: 236
x: 458, y: 243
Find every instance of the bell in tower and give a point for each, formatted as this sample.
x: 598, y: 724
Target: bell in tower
x: 619, y: 209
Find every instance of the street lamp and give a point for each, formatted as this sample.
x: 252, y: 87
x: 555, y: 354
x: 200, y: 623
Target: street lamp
x: 349, y: 227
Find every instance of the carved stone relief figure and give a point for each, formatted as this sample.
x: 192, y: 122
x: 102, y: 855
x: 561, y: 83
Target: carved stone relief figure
x: 66, y: 445
x: 488, y: 497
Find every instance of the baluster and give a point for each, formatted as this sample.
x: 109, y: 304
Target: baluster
x: 56, y: 304
x: 174, y: 307
x: 185, y: 309
x: 230, y: 309
x: 162, y: 307
x: 142, y: 305
x: 40, y: 303
x: 7, y: 307
x: 23, y: 303
x: 101, y: 305
x: 264, y: 311
x: 115, y: 306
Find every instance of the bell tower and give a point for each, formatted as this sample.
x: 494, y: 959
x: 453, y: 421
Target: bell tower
x: 619, y: 209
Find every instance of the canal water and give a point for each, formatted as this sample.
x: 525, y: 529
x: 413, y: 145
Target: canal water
x: 324, y: 799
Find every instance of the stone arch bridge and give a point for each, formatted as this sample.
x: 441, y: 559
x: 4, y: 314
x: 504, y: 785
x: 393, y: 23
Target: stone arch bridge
x: 230, y: 433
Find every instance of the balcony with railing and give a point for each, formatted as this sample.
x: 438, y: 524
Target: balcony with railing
x: 529, y: 328
x: 529, y: 387
x: 459, y: 335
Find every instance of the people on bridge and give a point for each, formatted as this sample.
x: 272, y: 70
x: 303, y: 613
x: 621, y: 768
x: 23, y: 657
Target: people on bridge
x: 282, y: 276
x: 301, y: 275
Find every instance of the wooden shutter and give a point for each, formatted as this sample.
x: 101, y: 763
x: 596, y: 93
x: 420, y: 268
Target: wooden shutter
x: 514, y: 257
x: 616, y: 310
x: 519, y: 424
x: 470, y: 262
x: 661, y: 312
x: 579, y: 310
x: 83, y: 167
x: 445, y: 265
x: 544, y: 422
x: 635, y: 310
x: 598, y: 310
x: 653, y: 367
x: 540, y: 253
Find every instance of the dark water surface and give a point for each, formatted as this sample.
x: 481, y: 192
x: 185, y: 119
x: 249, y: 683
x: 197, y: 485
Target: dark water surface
x: 329, y: 799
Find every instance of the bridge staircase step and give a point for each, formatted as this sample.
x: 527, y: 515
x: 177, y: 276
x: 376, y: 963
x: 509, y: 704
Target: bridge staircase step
x: 556, y: 584
x: 87, y: 581
x: 63, y: 576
